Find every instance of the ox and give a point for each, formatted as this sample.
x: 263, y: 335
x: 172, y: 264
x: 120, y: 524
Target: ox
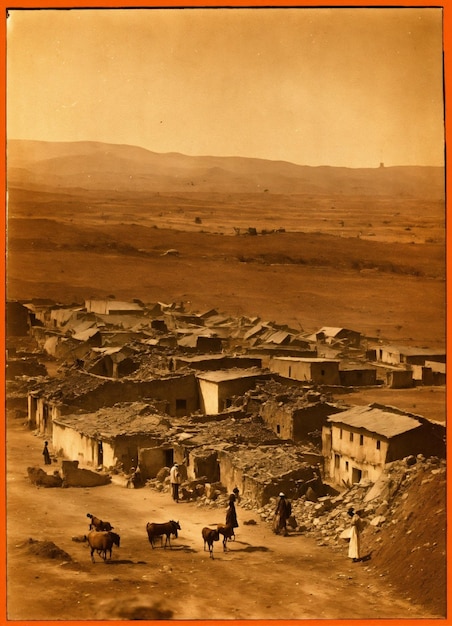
x: 98, y: 524
x: 102, y: 542
x: 228, y: 533
x: 158, y: 530
x: 210, y: 535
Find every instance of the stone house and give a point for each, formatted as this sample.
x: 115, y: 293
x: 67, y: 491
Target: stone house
x: 262, y: 473
x: 295, y: 422
x: 315, y: 370
x: 357, y: 443
x: 218, y: 389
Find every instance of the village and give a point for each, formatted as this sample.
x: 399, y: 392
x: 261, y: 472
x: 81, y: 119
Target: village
x: 238, y: 403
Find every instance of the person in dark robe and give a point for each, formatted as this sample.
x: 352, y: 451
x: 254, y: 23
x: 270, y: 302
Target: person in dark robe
x: 282, y: 514
x: 231, y: 513
x: 46, y: 454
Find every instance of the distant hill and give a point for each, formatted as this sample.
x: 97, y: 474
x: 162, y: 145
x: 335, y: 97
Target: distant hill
x: 113, y: 167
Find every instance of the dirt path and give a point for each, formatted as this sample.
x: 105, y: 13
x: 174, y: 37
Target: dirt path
x: 262, y: 576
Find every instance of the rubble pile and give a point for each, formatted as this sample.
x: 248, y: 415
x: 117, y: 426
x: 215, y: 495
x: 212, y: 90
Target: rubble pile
x: 325, y: 517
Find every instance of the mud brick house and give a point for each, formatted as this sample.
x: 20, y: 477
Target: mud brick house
x: 357, y: 376
x: 112, y: 437
x: 399, y: 378
x: 60, y: 317
x: 316, y: 370
x: 218, y: 389
x: 357, y: 443
x: 110, y: 306
x: 200, y: 342
x: 213, y: 362
x: 79, y: 391
x: 112, y: 362
x: 333, y: 335
x: 396, y: 355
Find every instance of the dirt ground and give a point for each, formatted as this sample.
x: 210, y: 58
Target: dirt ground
x: 376, y: 265
x: 262, y: 576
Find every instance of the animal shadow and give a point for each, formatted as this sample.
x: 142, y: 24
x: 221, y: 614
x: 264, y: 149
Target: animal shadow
x: 249, y: 548
x: 182, y: 548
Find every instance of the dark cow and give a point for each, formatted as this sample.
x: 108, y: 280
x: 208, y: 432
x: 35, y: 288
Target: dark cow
x: 210, y: 535
x: 102, y: 542
x: 158, y: 530
x: 228, y: 533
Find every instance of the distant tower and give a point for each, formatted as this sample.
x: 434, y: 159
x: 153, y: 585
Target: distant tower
x: 382, y: 164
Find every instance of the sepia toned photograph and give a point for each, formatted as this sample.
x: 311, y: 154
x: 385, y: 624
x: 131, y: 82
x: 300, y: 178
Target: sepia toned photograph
x: 225, y: 337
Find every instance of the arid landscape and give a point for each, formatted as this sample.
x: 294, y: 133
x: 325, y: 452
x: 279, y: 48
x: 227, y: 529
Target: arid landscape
x: 354, y: 251
x: 306, y: 247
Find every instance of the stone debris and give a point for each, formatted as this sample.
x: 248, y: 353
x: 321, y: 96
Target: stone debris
x: 327, y: 519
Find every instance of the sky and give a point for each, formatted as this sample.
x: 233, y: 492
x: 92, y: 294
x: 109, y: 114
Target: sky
x: 349, y: 87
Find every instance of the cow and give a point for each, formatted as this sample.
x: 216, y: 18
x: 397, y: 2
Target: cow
x: 210, y: 535
x: 228, y: 532
x: 98, y: 524
x: 102, y: 541
x: 158, y: 530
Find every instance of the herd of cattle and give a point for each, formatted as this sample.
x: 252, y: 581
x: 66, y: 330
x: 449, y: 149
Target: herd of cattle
x: 101, y: 537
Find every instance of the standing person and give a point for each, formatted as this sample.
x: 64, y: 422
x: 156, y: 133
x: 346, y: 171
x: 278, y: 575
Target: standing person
x: 175, y: 479
x: 231, y: 514
x: 46, y: 454
x: 354, y: 548
x: 236, y: 492
x: 282, y: 513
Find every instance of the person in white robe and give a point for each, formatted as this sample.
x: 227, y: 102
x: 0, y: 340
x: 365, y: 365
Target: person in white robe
x: 354, y: 548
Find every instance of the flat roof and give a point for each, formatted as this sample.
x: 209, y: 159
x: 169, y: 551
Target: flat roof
x: 219, y: 376
x: 305, y: 359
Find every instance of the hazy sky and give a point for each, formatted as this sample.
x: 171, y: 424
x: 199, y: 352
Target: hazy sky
x: 346, y: 87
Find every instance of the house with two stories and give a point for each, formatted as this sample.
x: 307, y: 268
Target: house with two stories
x: 357, y: 443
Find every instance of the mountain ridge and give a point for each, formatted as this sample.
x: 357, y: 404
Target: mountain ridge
x: 98, y: 165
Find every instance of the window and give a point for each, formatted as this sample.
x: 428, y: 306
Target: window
x: 346, y: 465
x: 290, y: 371
x: 340, y: 433
x: 337, y: 460
x: 278, y: 429
x: 351, y: 436
x: 361, y: 440
x: 378, y: 444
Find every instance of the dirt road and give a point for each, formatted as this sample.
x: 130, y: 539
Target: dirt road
x: 262, y: 576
